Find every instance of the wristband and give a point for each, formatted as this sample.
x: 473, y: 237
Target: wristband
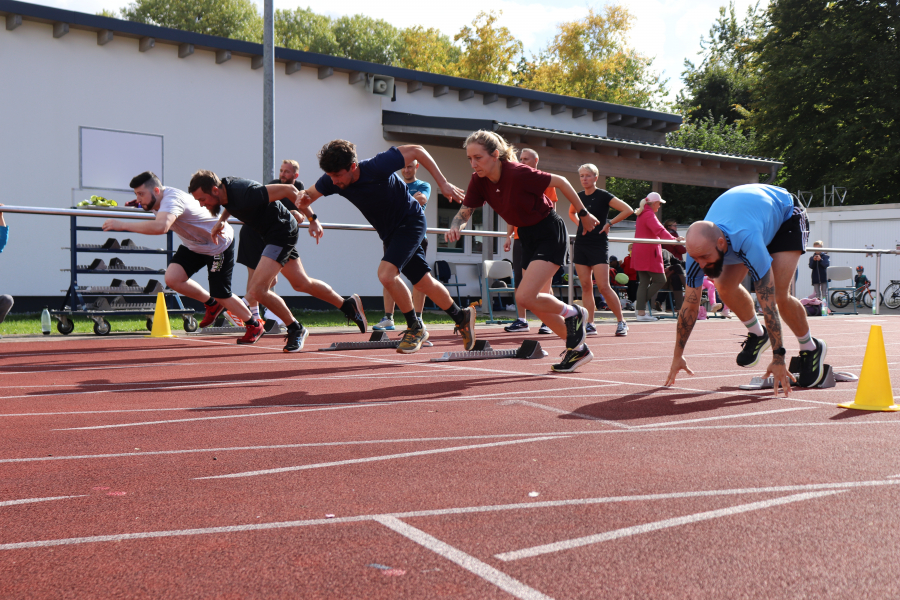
x: 779, y: 352
x: 582, y: 213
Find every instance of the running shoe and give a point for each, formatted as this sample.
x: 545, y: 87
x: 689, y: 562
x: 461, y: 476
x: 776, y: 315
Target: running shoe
x: 572, y: 359
x: 358, y: 315
x: 716, y: 307
x: 575, y: 328
x: 645, y: 318
x: 544, y: 330
x: 295, y: 339
x: 210, y: 315
x: 752, y: 347
x: 589, y: 329
x: 467, y: 328
x: 622, y: 328
x: 251, y: 333
x: 238, y: 322
x: 812, y: 365
x: 517, y: 325
x: 412, y: 340
x: 385, y: 324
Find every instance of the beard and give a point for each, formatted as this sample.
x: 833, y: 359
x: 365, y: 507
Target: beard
x: 714, y: 269
x: 215, y: 210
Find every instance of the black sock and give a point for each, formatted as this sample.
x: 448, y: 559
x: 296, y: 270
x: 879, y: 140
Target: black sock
x: 411, y: 320
x: 211, y: 302
x: 419, y: 316
x: 348, y: 307
x: 295, y: 326
x: 253, y: 322
x: 456, y: 313
x: 389, y: 315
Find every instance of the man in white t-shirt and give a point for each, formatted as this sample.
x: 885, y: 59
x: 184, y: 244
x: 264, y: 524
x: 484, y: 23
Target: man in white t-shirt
x: 180, y: 212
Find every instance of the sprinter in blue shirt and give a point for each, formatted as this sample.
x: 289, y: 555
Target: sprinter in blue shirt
x: 761, y: 230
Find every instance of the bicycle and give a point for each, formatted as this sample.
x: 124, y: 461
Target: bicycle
x: 891, y: 295
x: 842, y: 298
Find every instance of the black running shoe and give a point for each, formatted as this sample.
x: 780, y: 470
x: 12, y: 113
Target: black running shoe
x: 812, y: 365
x: 358, y: 314
x: 575, y: 328
x: 295, y: 339
x: 572, y: 359
x: 752, y: 347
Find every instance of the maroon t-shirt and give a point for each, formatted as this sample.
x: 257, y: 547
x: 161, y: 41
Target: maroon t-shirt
x: 518, y: 197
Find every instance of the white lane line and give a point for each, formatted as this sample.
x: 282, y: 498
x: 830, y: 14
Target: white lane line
x: 740, y: 416
x: 438, y: 512
x: 149, y: 388
x: 31, y: 500
x: 281, y: 447
x: 564, y: 412
x: 356, y: 461
x: 466, y: 561
x: 657, y: 525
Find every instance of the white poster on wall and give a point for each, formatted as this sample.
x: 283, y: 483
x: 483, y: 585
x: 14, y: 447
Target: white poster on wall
x: 109, y: 159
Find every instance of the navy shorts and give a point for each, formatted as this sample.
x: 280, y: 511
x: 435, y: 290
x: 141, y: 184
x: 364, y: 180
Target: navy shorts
x: 793, y: 234
x: 405, y: 248
x: 547, y: 240
x: 219, y: 268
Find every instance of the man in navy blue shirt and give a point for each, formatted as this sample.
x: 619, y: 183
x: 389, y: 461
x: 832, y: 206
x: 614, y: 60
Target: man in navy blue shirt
x: 383, y: 198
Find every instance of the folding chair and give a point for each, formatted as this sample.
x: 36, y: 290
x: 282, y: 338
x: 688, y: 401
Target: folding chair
x: 495, y: 269
x: 444, y: 272
x: 841, y: 274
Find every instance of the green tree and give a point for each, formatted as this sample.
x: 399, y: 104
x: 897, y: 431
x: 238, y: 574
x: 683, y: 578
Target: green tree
x: 302, y: 29
x: 364, y: 38
x: 827, y: 98
x: 428, y: 50
x: 589, y: 58
x: 237, y: 19
x: 489, y: 53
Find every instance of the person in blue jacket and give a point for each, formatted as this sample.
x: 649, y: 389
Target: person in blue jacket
x: 819, y: 263
x: 6, y: 301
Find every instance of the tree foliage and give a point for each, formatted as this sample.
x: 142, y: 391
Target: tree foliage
x: 589, y: 58
x: 364, y: 38
x: 488, y: 53
x: 302, y: 29
x: 237, y: 19
x: 428, y: 50
x: 828, y: 95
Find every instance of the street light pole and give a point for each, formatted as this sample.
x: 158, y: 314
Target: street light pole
x: 268, y: 92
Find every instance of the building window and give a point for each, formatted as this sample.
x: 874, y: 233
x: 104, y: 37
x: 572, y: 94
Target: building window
x: 467, y: 244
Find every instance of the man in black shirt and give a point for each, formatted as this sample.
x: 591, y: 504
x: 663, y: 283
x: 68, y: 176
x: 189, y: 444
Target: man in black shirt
x: 255, y: 205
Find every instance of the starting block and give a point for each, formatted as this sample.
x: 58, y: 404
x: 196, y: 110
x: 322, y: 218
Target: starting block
x: 230, y: 324
x: 378, y: 340
x: 828, y: 380
x: 483, y: 351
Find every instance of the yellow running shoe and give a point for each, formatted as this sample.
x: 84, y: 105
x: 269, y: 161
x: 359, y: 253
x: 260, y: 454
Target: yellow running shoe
x: 467, y: 328
x: 412, y: 340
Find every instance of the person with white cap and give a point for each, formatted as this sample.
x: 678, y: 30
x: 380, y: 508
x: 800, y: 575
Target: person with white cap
x: 647, y: 259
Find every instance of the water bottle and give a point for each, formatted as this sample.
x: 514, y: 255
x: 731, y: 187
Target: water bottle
x: 824, y: 310
x: 45, y: 321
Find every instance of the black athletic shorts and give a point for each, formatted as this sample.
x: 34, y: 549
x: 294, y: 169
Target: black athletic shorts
x: 219, y: 268
x: 793, y: 234
x: 595, y: 252
x: 280, y: 254
x: 547, y: 240
x: 405, y: 248
x: 250, y: 247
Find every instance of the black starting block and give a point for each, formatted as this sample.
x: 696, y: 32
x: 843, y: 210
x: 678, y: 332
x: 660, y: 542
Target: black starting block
x: 378, y: 340
x: 483, y: 351
x: 828, y: 380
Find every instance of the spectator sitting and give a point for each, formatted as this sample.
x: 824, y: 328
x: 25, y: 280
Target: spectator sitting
x: 819, y: 263
x: 6, y: 301
x: 632, y: 275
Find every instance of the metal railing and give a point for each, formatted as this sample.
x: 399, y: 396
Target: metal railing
x: 129, y: 213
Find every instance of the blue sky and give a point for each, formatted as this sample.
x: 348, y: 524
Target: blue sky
x: 668, y: 30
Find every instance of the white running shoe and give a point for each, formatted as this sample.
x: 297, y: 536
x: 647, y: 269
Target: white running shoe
x: 385, y: 324
x: 645, y: 318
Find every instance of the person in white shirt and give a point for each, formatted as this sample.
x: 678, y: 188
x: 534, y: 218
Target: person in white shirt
x: 179, y: 211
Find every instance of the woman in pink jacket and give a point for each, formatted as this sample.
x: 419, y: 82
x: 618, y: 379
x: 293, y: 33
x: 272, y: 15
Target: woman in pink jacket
x: 647, y: 259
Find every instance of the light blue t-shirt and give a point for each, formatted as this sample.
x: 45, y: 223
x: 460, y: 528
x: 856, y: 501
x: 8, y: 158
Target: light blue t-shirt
x: 420, y: 186
x: 749, y: 216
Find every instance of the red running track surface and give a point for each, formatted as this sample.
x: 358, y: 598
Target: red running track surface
x: 193, y: 467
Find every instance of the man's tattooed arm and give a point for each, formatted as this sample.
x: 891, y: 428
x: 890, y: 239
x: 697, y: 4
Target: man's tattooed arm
x: 687, y: 317
x: 461, y: 218
x: 765, y: 292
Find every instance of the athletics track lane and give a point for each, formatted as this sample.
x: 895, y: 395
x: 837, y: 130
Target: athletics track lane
x: 224, y: 462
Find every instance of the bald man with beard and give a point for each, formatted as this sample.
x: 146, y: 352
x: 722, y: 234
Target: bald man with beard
x: 761, y: 230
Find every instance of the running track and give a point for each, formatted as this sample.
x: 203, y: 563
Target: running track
x: 191, y: 467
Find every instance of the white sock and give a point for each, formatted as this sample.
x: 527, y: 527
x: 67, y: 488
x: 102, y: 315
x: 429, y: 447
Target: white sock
x: 806, y: 342
x: 754, y: 326
x: 246, y: 302
x: 254, y: 311
x: 579, y: 348
x: 568, y: 311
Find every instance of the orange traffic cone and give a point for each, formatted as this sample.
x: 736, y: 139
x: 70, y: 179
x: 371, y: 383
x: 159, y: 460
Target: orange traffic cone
x: 161, y: 327
x: 874, y: 391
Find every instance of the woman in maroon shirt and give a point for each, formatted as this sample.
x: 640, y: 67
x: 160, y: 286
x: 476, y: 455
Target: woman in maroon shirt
x: 516, y: 192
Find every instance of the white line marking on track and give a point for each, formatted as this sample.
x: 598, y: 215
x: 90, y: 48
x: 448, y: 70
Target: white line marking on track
x: 355, y: 461
x: 441, y: 512
x: 749, y: 414
x: 466, y: 561
x: 657, y: 525
x: 564, y: 412
x: 31, y: 500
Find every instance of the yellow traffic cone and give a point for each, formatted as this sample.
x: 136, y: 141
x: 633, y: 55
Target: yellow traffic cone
x: 161, y: 327
x: 874, y: 391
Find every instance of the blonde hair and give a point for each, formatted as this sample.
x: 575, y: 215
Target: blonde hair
x: 818, y: 243
x: 293, y: 163
x: 640, y: 208
x: 490, y: 141
x: 590, y: 167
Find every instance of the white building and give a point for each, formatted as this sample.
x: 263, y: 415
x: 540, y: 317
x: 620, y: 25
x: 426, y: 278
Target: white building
x: 88, y: 102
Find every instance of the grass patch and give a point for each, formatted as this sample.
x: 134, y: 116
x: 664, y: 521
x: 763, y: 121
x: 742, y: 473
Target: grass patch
x: 31, y: 323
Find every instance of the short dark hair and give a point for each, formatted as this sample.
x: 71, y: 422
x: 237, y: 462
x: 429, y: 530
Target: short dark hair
x: 337, y: 155
x: 204, y: 180
x: 144, y: 178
